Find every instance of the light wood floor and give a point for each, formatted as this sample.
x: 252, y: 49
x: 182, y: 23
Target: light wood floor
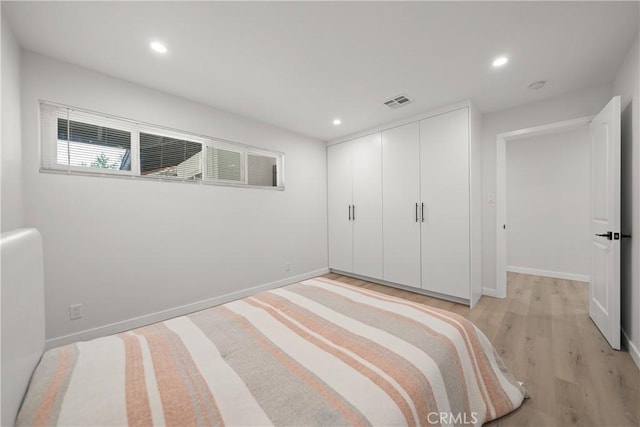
x: 543, y: 332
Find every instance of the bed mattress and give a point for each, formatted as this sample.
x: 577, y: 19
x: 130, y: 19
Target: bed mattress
x: 318, y: 352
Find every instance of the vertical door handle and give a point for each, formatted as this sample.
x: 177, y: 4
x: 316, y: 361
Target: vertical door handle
x: 416, y: 212
x: 349, y: 212
x: 353, y: 215
x: 423, y: 212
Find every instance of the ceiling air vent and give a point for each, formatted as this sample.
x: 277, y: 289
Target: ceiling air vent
x: 398, y: 101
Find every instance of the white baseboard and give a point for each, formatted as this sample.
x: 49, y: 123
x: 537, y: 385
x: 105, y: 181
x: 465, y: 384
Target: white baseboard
x: 136, y: 322
x: 546, y: 273
x: 463, y: 301
x: 633, y: 350
x: 490, y: 292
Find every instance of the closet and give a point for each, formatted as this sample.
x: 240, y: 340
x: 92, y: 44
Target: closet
x: 402, y: 208
x: 355, y: 206
x: 404, y: 205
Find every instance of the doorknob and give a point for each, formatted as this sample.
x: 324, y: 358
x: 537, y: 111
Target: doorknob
x: 608, y: 235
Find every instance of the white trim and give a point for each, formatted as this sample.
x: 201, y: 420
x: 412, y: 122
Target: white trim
x: 490, y: 292
x: 420, y: 291
x: 501, y: 188
x: 548, y: 273
x: 155, y: 178
x: 631, y: 347
x: 401, y: 122
x: 501, y: 218
x: 136, y: 322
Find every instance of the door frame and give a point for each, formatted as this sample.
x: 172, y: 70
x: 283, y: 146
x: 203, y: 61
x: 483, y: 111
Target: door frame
x: 501, y: 187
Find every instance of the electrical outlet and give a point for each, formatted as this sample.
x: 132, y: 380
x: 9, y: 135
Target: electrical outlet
x: 287, y: 266
x: 75, y: 311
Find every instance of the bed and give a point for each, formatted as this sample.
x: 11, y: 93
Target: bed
x: 318, y: 352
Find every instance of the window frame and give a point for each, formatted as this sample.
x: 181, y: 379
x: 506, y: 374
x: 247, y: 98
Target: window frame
x: 50, y: 126
x: 50, y: 112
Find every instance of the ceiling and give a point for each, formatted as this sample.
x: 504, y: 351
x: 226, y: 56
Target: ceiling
x: 299, y: 65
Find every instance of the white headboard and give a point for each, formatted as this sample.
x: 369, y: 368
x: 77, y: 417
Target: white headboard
x: 22, y: 298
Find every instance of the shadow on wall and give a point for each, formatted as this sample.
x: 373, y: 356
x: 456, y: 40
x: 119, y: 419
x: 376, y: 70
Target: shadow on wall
x: 626, y: 217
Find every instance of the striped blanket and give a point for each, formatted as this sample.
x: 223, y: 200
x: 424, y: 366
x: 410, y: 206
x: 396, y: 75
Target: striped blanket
x: 318, y: 352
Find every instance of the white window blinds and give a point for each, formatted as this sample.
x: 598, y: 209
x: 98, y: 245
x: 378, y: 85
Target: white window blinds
x: 77, y: 141
x: 262, y: 170
x: 224, y: 165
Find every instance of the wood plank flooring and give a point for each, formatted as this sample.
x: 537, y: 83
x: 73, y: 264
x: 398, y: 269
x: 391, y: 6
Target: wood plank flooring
x: 543, y: 333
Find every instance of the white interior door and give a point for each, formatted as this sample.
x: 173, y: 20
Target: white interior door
x: 340, y: 191
x: 401, y: 205
x: 366, y: 210
x: 444, y: 169
x: 604, y: 286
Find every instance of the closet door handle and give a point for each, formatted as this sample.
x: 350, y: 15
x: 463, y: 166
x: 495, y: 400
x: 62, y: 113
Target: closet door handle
x: 416, y: 212
x: 353, y: 215
x: 349, y: 212
x: 423, y: 212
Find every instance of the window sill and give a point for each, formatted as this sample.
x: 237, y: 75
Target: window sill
x: 157, y: 179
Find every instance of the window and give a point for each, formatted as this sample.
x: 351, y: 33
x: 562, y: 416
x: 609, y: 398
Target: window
x: 224, y: 164
x: 76, y: 141
x: 87, y: 145
x: 165, y: 156
x: 262, y: 170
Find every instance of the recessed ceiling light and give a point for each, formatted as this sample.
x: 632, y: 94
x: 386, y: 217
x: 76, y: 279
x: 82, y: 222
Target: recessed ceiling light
x: 337, y: 121
x: 500, y: 61
x: 537, y: 85
x: 158, y: 47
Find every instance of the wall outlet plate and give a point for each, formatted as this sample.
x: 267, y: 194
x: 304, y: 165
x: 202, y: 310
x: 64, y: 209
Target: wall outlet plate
x: 75, y: 311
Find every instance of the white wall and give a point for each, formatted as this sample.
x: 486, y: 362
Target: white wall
x: 126, y: 248
x: 573, y: 105
x: 627, y: 85
x: 548, y: 204
x: 11, y: 201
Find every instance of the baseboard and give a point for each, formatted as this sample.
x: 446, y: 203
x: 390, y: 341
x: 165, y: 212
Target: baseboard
x: 633, y: 350
x: 136, y: 322
x: 490, y: 292
x: 546, y: 273
x: 420, y: 291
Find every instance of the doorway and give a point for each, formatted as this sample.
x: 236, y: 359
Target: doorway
x: 537, y: 241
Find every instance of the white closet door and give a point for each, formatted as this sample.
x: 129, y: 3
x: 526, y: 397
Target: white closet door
x: 367, y: 206
x: 444, y: 159
x: 401, y: 204
x: 339, y: 207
